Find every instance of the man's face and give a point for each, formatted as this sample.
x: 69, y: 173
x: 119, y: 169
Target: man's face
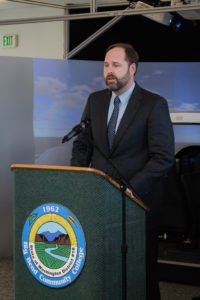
x: 118, y: 74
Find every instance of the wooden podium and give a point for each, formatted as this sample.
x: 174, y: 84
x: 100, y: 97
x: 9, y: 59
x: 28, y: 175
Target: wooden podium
x: 96, y: 201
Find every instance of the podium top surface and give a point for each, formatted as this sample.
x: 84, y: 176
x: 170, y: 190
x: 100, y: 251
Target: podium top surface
x: 80, y: 169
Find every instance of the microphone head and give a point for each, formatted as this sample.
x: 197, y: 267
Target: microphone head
x: 85, y: 123
x: 76, y: 130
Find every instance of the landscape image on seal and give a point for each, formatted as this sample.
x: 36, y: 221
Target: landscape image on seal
x: 52, y: 245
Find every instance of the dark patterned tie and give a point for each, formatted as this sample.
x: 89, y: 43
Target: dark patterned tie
x: 113, y: 121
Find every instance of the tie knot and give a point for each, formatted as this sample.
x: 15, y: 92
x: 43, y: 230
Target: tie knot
x: 116, y: 101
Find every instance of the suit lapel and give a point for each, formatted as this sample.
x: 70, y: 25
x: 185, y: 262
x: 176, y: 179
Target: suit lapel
x: 128, y: 116
x: 102, y: 120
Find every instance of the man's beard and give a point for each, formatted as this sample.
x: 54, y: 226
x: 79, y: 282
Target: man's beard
x: 119, y: 83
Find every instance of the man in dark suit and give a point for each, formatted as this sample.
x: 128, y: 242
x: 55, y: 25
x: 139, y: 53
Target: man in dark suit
x: 142, y: 147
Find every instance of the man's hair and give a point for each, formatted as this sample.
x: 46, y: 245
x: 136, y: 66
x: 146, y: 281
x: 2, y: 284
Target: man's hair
x: 131, y: 54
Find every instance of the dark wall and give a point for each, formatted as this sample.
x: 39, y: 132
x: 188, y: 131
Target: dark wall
x: 153, y: 41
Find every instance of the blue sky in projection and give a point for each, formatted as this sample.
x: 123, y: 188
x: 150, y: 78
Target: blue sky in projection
x: 61, y: 89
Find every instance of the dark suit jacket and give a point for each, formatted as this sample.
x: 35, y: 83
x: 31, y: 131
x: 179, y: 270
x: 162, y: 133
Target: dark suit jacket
x: 143, y: 148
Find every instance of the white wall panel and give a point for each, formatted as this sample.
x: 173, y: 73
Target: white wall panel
x: 41, y: 40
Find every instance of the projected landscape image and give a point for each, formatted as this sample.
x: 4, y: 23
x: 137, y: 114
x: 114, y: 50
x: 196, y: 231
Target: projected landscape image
x: 61, y: 89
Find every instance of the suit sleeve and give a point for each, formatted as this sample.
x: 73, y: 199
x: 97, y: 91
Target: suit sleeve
x: 82, y: 147
x: 160, y: 139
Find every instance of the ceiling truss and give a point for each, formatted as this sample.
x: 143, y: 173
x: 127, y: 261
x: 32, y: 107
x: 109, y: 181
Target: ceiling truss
x: 103, y: 14
x: 116, y: 15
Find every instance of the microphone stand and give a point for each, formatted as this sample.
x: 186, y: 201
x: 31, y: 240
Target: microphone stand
x: 123, y: 186
x: 124, y: 245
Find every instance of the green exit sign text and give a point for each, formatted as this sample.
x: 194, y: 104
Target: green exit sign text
x: 9, y: 40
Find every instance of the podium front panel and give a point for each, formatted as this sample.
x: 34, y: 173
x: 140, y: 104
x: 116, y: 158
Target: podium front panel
x: 97, y: 205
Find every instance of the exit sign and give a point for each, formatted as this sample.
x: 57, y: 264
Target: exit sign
x: 9, y: 40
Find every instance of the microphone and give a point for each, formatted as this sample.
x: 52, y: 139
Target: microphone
x: 75, y: 130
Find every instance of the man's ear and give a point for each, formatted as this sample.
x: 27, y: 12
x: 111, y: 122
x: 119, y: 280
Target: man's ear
x: 132, y: 68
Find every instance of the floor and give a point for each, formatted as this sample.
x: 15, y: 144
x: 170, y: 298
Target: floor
x: 169, y: 290
x: 174, y: 291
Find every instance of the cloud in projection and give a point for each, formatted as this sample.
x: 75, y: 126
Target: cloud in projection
x: 61, y: 89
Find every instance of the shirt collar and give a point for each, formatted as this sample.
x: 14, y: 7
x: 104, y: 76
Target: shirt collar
x: 125, y: 96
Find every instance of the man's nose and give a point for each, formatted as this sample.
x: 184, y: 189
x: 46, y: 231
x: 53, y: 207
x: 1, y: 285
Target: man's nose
x: 109, y: 69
